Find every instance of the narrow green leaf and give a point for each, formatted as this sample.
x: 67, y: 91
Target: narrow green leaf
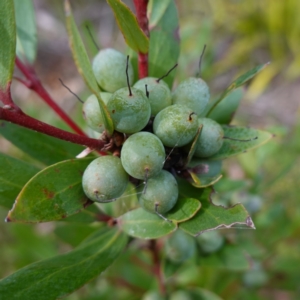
x: 142, y: 224
x: 46, y: 149
x: 84, y: 66
x: 184, y: 209
x: 223, y: 113
x: 164, y: 41
x: 212, y: 217
x: 52, y: 194
x: 235, y: 84
x: 61, y: 275
x: 7, y: 43
x: 127, y: 22
x: 26, y: 31
x: 14, y: 174
x: 232, y: 147
x: 193, y: 146
x: 157, y: 9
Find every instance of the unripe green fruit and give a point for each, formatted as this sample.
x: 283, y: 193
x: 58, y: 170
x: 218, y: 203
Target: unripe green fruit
x: 205, y: 168
x: 176, y: 125
x: 161, y: 193
x: 143, y: 155
x: 159, y: 93
x: 192, y: 92
x: 180, y: 246
x: 92, y: 112
x: 211, y: 138
x: 109, y: 67
x: 130, y: 114
x: 104, y: 179
x: 210, y: 241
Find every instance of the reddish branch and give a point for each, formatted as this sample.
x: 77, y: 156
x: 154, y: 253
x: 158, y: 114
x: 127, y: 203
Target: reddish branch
x: 34, y: 84
x: 154, y: 248
x: 22, y: 119
x: 141, y: 14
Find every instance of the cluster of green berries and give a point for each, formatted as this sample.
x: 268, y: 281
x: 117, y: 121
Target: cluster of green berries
x: 153, y: 121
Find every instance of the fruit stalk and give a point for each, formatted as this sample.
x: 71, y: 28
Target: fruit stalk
x: 141, y: 14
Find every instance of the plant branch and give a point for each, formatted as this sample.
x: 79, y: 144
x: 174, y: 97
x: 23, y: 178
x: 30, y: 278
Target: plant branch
x: 153, y: 246
x: 19, y: 118
x: 34, y: 84
x: 141, y: 14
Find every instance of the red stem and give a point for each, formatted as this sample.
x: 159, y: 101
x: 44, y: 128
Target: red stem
x: 35, y: 85
x: 141, y: 14
x: 22, y: 119
x: 156, y: 266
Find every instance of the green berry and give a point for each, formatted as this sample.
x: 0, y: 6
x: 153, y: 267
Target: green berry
x: 211, y: 138
x: 159, y: 93
x: 104, y: 179
x: 192, y: 92
x: 92, y: 112
x: 180, y: 246
x: 210, y: 241
x: 176, y: 125
x: 160, y: 194
x: 109, y: 68
x: 143, y: 155
x: 130, y: 113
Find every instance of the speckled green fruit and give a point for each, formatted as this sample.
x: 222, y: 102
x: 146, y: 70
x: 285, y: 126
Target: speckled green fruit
x: 104, y: 179
x: 192, y: 92
x: 176, y: 125
x: 143, y: 155
x: 130, y: 114
x: 92, y: 111
x: 211, y: 138
x: 159, y: 93
x: 180, y: 246
x: 161, y: 191
x: 109, y: 67
x: 205, y: 168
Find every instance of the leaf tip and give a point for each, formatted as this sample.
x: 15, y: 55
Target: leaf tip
x: 7, y: 219
x: 250, y: 223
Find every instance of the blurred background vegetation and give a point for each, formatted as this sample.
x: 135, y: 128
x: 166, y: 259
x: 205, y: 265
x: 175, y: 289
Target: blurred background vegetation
x: 261, y: 264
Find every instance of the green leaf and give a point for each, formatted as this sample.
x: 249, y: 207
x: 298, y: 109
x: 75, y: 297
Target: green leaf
x: 230, y: 257
x: 212, y: 217
x: 199, y: 181
x: 127, y: 201
x: 157, y: 9
x: 52, y: 194
x: 89, y: 215
x: 84, y: 66
x: 61, y: 275
x: 75, y: 233
x: 232, y: 147
x: 127, y: 22
x: 164, y: 41
x: 142, y: 224
x: 46, y: 149
x: 14, y: 174
x: 26, y: 31
x: 223, y: 113
x: 235, y: 84
x: 7, y: 43
x: 184, y: 209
